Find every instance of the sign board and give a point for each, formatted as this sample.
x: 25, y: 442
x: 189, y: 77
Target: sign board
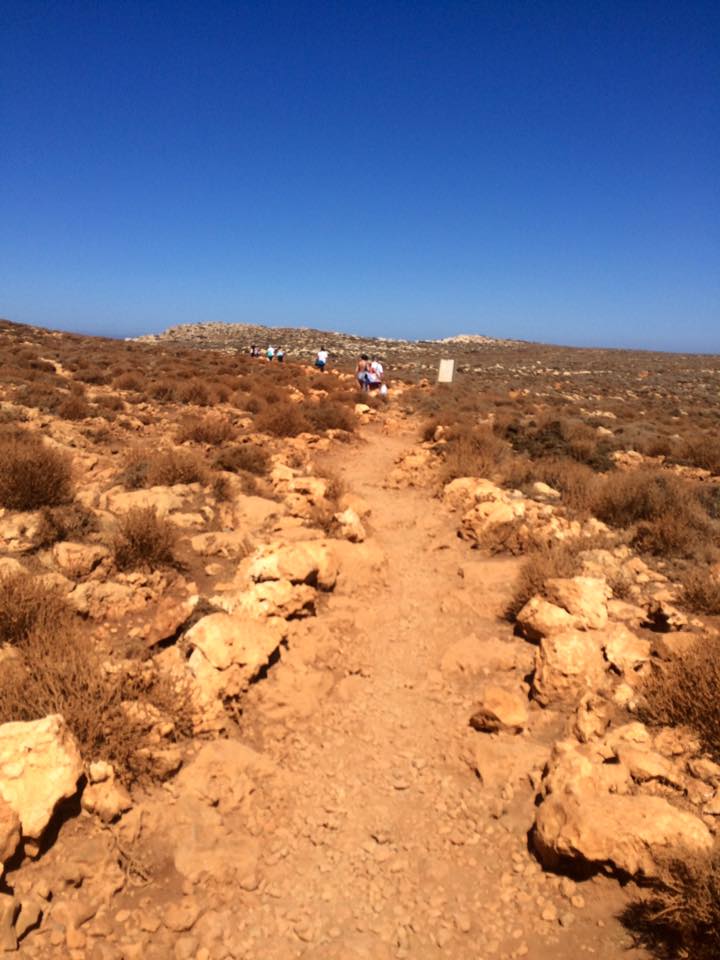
x: 446, y: 371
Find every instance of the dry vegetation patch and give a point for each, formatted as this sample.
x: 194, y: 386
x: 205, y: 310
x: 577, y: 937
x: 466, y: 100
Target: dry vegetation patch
x: 144, y: 540
x: 32, y: 474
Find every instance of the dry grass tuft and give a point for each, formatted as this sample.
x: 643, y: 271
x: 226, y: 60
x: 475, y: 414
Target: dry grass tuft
x: 31, y: 474
x: 283, y: 419
x: 27, y: 604
x: 474, y: 453
x: 686, y: 692
x: 151, y: 468
x: 681, y: 917
x: 212, y: 430
x: 244, y: 457
x: 701, y: 592
x: 144, y: 540
x: 70, y: 522
x: 330, y: 415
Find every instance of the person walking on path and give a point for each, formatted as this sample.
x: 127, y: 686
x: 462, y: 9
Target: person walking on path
x: 270, y: 353
x: 321, y: 359
x: 280, y: 355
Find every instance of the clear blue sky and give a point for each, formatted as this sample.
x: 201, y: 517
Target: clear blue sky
x: 548, y: 171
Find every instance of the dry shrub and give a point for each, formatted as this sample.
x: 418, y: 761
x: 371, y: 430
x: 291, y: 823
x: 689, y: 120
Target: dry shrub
x: 575, y: 481
x: 195, y: 392
x: 74, y: 407
x: 281, y: 420
x: 244, y: 457
x: 702, y: 451
x: 666, y: 511
x: 701, y: 592
x: 31, y: 474
x: 129, y: 381
x: 561, y: 559
x: 474, y: 453
x: 686, y: 692
x: 329, y: 415
x: 213, y: 430
x: 164, y: 389
x: 144, y: 540
x: 151, y: 468
x: 27, y: 604
x: 70, y: 522
x: 59, y: 671
x: 681, y: 917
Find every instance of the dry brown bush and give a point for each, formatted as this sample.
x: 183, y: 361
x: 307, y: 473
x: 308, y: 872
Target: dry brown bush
x: 212, y: 430
x: 239, y: 457
x: 194, y: 391
x: 576, y: 482
x: 474, y: 453
x: 70, y: 522
x: 26, y: 604
x: 666, y: 512
x: 144, y: 540
x: 701, y: 592
x: 164, y: 389
x: 151, y: 468
x: 702, y: 451
x: 32, y: 475
x: 74, y: 407
x: 129, y: 381
x: 330, y: 415
x: 59, y: 671
x: 281, y: 420
x: 686, y: 692
x: 681, y: 917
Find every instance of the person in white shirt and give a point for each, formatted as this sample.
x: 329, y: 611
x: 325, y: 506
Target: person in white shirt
x: 377, y: 368
x: 321, y: 359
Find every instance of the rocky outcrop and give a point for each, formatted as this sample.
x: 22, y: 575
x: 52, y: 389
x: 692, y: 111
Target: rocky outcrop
x: 567, y: 665
x: 599, y: 805
x: 40, y: 765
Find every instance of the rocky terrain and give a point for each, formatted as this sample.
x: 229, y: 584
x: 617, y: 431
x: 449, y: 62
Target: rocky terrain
x: 291, y: 672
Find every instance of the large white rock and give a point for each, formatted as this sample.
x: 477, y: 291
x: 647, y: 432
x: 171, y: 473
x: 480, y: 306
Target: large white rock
x: 624, y: 649
x: 584, y: 597
x: 539, y: 618
x: 632, y: 833
x: 40, y: 765
x: 225, y: 639
x: 312, y: 562
x: 567, y: 666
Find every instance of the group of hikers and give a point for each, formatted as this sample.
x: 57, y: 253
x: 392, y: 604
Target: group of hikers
x: 369, y: 372
x: 272, y: 353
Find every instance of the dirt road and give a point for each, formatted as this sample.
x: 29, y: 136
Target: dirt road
x: 389, y: 845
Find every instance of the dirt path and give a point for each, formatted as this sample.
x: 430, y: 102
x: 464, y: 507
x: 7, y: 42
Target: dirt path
x: 388, y: 845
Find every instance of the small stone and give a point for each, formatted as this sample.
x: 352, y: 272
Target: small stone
x: 549, y: 913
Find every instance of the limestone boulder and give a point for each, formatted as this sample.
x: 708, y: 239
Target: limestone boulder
x: 18, y: 530
x: 500, y: 709
x: 485, y: 517
x: 311, y: 562
x: 78, y: 559
x: 232, y: 544
x: 625, y: 650
x: 165, y: 500
x: 225, y: 639
x: 567, y: 666
x: 630, y: 833
x: 540, y: 618
x: 585, y: 598
x: 40, y: 765
x: 459, y: 494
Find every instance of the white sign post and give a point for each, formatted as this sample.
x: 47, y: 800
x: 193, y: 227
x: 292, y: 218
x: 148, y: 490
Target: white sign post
x: 446, y: 371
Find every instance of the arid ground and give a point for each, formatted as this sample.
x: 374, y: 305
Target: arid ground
x: 289, y: 671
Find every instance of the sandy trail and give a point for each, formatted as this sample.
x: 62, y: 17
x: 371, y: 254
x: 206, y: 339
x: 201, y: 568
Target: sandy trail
x: 388, y: 845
